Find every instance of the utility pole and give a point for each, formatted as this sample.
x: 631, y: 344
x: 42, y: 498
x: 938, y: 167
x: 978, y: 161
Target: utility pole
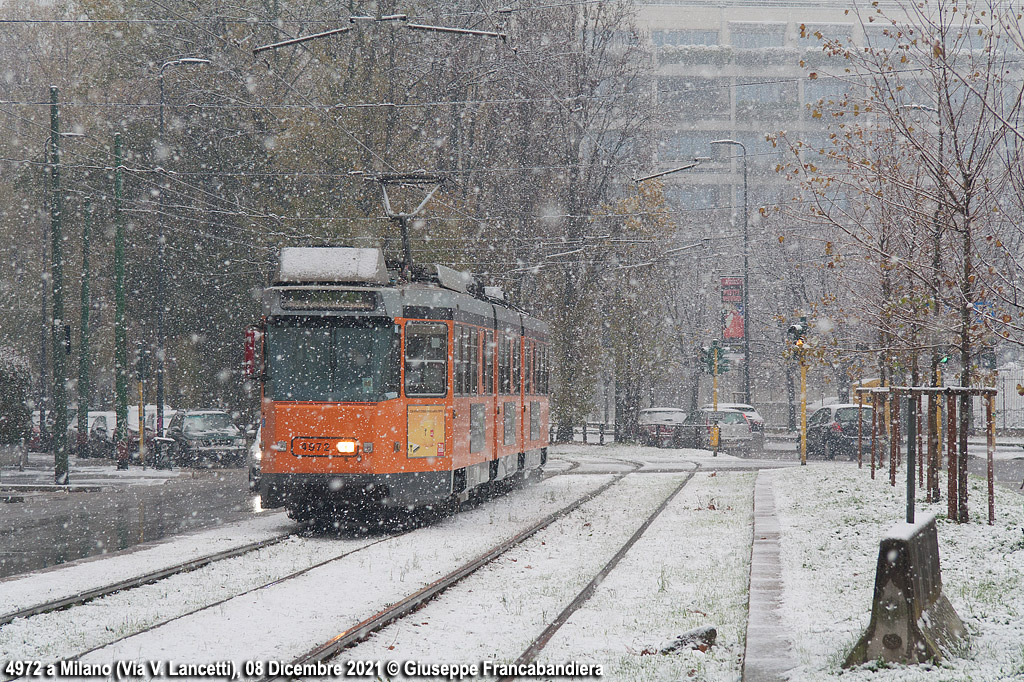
x: 161, y: 257
x: 44, y: 320
x: 747, y: 397
x: 60, y: 370
x: 83, y: 341
x: 120, y: 329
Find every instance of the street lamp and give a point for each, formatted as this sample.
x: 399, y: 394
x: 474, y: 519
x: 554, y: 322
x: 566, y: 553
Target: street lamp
x: 697, y: 160
x: 746, y: 277
x: 160, y: 303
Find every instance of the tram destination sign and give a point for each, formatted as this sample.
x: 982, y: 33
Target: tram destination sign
x: 328, y: 299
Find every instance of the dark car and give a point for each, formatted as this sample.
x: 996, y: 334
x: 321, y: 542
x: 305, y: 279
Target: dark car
x: 205, y: 437
x: 832, y: 431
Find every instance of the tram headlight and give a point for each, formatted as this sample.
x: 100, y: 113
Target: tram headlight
x: 346, y: 447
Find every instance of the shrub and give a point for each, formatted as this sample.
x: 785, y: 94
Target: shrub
x: 15, y: 380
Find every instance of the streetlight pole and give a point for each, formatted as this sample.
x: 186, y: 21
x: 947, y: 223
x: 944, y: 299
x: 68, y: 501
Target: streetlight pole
x: 747, y: 398
x: 47, y: 326
x: 60, y: 402
x: 160, y: 303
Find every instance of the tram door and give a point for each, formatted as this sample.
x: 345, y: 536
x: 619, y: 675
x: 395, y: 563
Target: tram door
x: 426, y: 386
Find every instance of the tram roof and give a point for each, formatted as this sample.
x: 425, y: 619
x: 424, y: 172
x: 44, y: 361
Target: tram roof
x: 330, y: 264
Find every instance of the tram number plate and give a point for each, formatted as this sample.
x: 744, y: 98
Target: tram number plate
x: 303, y: 446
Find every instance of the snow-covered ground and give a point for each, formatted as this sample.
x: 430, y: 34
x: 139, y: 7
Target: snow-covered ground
x: 833, y: 516
x: 690, y: 569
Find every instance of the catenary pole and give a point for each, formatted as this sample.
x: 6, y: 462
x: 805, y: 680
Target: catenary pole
x: 120, y: 328
x: 747, y: 397
x: 60, y: 401
x: 161, y: 303
x: 84, y: 396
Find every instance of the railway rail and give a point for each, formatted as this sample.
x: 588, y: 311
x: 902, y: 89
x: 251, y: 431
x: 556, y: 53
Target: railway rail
x: 90, y: 595
x: 138, y: 581
x: 359, y: 632
x: 366, y: 627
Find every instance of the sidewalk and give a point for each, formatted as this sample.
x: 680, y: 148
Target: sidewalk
x: 86, y: 474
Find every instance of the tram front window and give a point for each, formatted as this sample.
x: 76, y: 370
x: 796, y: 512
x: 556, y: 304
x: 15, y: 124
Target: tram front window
x: 327, y: 361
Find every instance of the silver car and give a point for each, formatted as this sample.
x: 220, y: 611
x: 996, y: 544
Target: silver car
x: 753, y: 417
x: 734, y: 430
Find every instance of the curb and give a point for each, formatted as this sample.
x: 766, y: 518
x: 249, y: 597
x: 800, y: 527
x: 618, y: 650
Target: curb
x: 768, y: 654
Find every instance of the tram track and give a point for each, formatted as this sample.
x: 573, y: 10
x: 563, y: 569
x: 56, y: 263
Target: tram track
x: 530, y: 654
x: 353, y: 634
x: 194, y: 565
x: 87, y: 596
x: 151, y: 577
x: 361, y: 631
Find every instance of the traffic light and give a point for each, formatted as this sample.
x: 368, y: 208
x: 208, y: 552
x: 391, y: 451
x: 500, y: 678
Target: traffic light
x: 797, y: 332
x: 707, y: 359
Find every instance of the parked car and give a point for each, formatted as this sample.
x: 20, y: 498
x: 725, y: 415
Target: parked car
x: 734, y: 430
x: 149, y: 429
x: 205, y: 437
x: 41, y: 440
x: 752, y: 415
x: 662, y: 426
x: 100, y: 432
x: 832, y: 431
x: 255, y: 461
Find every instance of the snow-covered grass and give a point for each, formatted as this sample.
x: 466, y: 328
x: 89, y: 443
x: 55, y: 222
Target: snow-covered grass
x: 496, y: 613
x: 690, y: 569
x: 833, y: 516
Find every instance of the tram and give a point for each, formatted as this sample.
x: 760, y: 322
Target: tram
x: 387, y: 389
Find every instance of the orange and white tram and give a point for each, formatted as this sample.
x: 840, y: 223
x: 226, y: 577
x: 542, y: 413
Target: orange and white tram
x: 385, y: 393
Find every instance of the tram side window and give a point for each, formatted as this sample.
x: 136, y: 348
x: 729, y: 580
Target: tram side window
x: 528, y: 366
x: 516, y: 359
x: 459, y: 358
x: 426, y: 359
x: 488, y: 363
x: 537, y: 349
x: 474, y: 361
x: 504, y: 365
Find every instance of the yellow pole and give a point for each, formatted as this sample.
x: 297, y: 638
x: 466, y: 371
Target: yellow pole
x: 803, y: 410
x: 714, y: 375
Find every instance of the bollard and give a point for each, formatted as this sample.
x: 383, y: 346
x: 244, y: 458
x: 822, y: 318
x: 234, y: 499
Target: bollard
x: 912, y: 621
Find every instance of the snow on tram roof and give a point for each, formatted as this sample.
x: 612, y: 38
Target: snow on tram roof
x: 331, y: 264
